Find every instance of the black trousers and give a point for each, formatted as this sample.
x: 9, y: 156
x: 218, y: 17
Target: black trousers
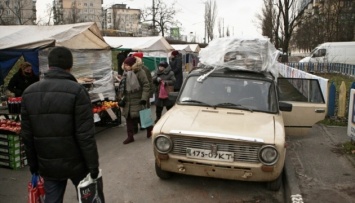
x: 55, y: 189
x: 159, y: 110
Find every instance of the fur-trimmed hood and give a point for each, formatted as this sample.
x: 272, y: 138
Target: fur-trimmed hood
x: 137, y: 65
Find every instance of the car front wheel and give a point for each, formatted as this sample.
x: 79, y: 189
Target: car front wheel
x: 162, y: 174
x: 276, y: 184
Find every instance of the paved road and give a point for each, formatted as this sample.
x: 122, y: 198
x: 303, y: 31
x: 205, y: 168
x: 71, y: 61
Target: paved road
x: 129, y: 177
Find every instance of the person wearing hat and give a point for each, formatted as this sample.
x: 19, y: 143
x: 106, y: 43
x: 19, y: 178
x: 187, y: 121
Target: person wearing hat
x: 22, y: 79
x: 57, y: 127
x: 134, y: 93
x: 164, y: 75
x: 149, y: 76
x: 176, y: 67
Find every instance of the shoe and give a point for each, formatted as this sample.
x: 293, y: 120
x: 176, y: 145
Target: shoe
x: 128, y: 140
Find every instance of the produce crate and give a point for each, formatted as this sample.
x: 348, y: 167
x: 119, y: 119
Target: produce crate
x: 12, y: 153
x: 106, y: 118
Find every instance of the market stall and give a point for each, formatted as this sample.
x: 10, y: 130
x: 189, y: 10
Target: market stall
x: 92, y: 65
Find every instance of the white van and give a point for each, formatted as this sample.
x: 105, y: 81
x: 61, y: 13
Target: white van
x: 332, y: 52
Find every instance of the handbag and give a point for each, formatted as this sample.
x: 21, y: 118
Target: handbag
x: 91, y: 190
x: 163, y: 93
x: 145, y: 117
x: 35, y: 188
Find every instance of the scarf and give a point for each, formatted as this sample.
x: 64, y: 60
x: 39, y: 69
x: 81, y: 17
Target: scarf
x: 132, y: 83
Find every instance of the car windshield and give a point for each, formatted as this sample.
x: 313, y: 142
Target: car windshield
x: 230, y: 92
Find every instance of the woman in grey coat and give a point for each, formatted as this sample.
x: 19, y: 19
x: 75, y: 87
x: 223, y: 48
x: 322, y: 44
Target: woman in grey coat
x: 166, y: 75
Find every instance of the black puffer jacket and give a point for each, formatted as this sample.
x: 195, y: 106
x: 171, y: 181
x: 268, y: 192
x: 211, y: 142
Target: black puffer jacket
x: 58, y: 128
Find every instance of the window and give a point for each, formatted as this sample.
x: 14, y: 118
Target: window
x: 85, y: 4
x: 91, y: 4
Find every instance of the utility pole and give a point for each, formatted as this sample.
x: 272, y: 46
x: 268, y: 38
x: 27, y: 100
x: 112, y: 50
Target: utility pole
x: 153, y: 18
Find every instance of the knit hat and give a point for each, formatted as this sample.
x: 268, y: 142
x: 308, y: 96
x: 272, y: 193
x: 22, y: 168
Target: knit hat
x: 60, y: 57
x: 138, y: 54
x: 174, y: 53
x: 130, y: 61
x: 163, y: 64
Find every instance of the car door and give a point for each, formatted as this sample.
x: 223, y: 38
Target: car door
x: 308, y: 104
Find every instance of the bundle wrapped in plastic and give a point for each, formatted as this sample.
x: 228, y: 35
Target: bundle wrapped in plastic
x: 254, y: 54
x: 92, y: 69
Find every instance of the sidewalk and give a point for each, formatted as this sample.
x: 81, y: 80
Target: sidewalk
x: 318, y: 170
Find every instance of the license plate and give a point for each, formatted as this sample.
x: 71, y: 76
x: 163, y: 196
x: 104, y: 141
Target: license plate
x: 207, y: 154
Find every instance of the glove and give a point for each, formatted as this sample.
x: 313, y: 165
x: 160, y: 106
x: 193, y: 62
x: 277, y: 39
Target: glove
x: 143, y: 102
x: 158, y: 79
x: 94, y: 173
x: 122, y: 103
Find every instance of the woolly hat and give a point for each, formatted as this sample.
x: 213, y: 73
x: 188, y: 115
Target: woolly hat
x: 130, y: 61
x: 60, y: 57
x: 138, y: 54
x: 163, y: 64
x: 174, y: 53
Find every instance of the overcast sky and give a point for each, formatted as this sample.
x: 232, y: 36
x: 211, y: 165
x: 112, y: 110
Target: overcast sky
x: 238, y: 15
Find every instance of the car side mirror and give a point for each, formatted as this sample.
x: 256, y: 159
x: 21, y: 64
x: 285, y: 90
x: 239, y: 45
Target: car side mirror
x: 283, y: 106
x: 173, y: 96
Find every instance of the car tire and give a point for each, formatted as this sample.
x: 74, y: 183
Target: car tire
x: 162, y: 174
x: 276, y: 184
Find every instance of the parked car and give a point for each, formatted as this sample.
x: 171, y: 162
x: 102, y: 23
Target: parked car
x: 231, y: 123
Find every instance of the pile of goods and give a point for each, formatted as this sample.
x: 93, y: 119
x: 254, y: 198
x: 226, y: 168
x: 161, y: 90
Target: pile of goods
x: 10, y: 125
x: 102, y: 106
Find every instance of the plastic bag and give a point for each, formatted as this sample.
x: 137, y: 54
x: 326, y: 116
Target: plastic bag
x: 35, y: 188
x: 163, y: 93
x: 91, y: 190
x: 145, y: 117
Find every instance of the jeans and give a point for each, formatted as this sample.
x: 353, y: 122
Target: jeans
x: 55, y: 189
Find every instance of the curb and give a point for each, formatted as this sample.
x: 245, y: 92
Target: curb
x: 292, y: 190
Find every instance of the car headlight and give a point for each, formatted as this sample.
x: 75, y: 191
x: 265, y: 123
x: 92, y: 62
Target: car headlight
x: 163, y: 144
x: 268, y: 155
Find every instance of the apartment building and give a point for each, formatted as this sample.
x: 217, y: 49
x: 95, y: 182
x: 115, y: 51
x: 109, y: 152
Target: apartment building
x: 17, y: 12
x: 339, y: 15
x: 123, y: 19
x: 77, y: 11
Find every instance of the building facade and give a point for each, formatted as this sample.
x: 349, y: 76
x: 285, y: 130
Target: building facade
x: 78, y: 11
x: 17, y: 12
x: 123, y: 19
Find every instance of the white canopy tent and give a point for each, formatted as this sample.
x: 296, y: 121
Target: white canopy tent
x: 92, y: 55
x: 151, y: 46
x: 73, y: 36
x: 182, y: 48
x: 195, y: 48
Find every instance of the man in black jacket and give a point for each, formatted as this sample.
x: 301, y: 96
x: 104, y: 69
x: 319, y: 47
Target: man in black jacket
x: 58, y: 127
x: 176, y: 67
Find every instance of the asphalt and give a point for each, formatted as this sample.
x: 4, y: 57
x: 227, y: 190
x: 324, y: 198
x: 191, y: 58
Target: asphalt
x: 317, y: 169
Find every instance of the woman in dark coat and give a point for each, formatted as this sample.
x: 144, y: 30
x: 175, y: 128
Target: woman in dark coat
x: 166, y: 75
x: 22, y: 79
x: 134, y: 93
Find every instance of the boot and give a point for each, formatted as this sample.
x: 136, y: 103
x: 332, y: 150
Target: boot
x: 128, y: 140
x: 149, y: 131
x: 130, y: 130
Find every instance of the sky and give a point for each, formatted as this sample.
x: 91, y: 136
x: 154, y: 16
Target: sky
x: 238, y: 15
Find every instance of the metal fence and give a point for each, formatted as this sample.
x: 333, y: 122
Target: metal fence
x: 346, y: 69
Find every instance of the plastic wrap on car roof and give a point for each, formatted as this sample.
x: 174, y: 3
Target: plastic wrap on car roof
x: 254, y: 54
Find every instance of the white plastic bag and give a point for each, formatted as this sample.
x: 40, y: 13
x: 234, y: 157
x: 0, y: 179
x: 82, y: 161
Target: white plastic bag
x: 91, y: 190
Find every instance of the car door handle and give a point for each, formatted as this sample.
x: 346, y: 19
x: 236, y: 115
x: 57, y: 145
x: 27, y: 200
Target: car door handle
x: 320, y: 110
